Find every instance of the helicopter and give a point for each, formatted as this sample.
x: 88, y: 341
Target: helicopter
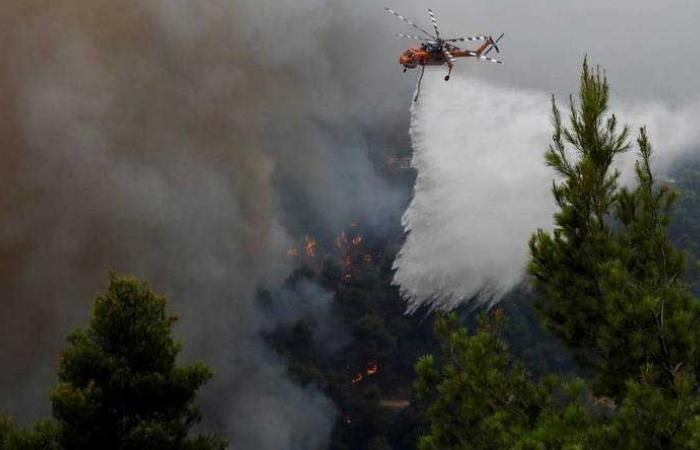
x: 438, y: 51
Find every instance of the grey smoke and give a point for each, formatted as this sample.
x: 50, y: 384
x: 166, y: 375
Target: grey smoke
x: 305, y: 300
x: 163, y: 139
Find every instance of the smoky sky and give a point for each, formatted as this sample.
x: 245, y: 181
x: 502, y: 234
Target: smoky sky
x: 189, y: 142
x: 649, y: 49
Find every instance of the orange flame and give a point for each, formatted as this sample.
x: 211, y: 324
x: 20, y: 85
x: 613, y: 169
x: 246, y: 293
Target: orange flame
x: 372, y: 369
x: 293, y: 252
x: 310, y: 246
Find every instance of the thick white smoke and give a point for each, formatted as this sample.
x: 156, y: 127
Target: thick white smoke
x: 483, y: 188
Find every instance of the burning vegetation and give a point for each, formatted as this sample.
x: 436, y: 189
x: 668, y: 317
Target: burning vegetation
x: 369, y: 371
x: 348, y: 248
x: 375, y: 367
x: 310, y: 246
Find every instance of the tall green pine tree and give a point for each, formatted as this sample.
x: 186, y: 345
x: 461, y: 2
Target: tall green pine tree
x: 566, y: 264
x: 119, y: 385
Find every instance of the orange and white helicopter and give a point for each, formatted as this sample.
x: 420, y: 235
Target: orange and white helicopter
x: 438, y: 51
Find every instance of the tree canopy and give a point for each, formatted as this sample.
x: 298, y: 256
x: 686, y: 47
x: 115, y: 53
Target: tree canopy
x: 119, y: 384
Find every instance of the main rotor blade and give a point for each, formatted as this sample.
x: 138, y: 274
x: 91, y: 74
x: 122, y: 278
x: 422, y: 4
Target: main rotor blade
x: 435, y: 25
x: 484, y: 58
x: 469, y: 38
x: 417, y: 38
x: 408, y: 22
x: 451, y: 47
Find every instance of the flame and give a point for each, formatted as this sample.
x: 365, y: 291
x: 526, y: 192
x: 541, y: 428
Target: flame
x: 310, y: 246
x: 372, y: 369
x: 292, y: 252
x: 347, y: 266
x: 605, y: 402
x: 349, y: 250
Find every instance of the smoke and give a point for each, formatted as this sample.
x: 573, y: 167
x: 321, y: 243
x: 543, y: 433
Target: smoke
x: 306, y: 300
x: 483, y: 188
x: 185, y: 142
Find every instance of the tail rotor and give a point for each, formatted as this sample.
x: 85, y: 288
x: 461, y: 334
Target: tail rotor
x: 494, y: 44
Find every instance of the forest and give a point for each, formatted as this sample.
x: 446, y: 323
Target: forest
x: 595, y: 350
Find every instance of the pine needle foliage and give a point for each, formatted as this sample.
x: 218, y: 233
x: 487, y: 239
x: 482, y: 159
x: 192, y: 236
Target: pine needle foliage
x: 566, y: 264
x: 609, y: 282
x: 477, y: 398
x: 119, y: 384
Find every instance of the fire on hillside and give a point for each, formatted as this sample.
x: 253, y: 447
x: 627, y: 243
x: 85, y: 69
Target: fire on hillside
x: 348, y: 247
x: 369, y: 371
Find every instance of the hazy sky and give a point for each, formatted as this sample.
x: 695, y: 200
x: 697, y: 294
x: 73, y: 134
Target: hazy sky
x: 649, y: 48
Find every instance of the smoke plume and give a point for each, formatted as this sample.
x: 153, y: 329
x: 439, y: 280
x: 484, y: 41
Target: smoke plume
x: 185, y: 142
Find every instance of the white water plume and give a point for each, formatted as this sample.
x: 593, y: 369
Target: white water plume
x: 482, y: 187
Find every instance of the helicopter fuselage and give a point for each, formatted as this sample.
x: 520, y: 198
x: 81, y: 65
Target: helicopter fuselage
x: 420, y: 56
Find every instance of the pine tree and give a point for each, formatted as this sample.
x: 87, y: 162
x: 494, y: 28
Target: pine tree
x: 119, y: 384
x: 5, y: 431
x: 608, y: 279
x: 649, y: 315
x: 42, y: 436
x: 566, y: 264
x: 476, y: 399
